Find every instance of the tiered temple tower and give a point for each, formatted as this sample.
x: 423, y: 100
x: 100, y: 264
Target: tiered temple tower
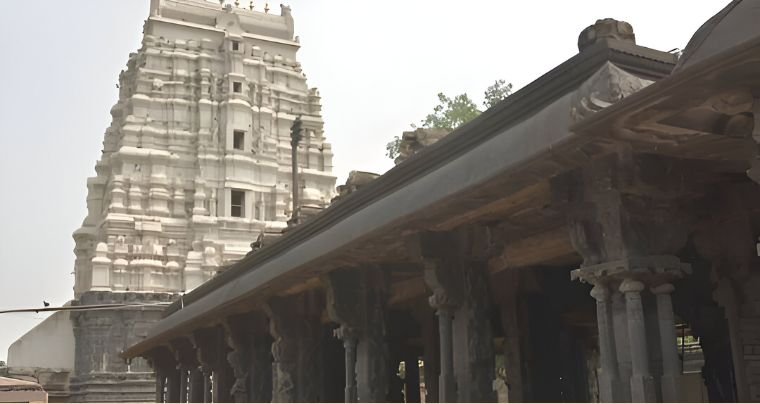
x: 195, y: 165
x: 196, y: 162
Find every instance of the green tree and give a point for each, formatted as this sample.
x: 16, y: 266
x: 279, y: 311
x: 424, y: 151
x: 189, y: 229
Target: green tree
x: 496, y: 92
x: 450, y: 113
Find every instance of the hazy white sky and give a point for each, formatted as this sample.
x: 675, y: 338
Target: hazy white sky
x: 378, y: 65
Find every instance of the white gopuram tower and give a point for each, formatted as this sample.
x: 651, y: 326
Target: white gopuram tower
x: 196, y: 162
x: 195, y: 166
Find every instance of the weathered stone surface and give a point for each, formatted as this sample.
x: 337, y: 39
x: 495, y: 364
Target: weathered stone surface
x: 607, y: 28
x: 101, y: 335
x: 355, y: 181
x: 413, y: 141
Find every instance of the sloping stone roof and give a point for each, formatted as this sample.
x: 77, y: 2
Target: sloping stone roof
x: 737, y: 23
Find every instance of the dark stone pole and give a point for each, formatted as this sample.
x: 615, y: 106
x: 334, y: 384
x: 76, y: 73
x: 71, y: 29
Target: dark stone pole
x: 187, y: 362
x: 207, y: 384
x: 196, y: 394
x: 412, y: 379
x: 260, y: 374
x: 173, y: 386
x: 508, y: 284
x: 296, y: 134
x: 160, y: 383
x: 294, y: 323
x: 222, y: 372
x: 167, y: 379
x: 207, y: 355
x: 430, y: 341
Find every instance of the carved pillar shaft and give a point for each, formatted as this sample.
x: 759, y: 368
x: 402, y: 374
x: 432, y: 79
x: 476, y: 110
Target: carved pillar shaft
x: 671, y: 364
x: 622, y: 352
x: 642, y: 384
x: 349, y: 345
x: 183, y: 379
x: 261, y: 369
x: 207, y: 398
x: 412, y: 379
x: 431, y: 357
x: 446, y: 382
x: 160, y: 384
x: 196, y: 394
x: 173, y: 383
x: 295, y: 327
x: 608, y: 376
x: 473, y: 349
x: 372, y: 368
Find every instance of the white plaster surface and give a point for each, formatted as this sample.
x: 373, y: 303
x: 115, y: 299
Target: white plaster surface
x: 49, y: 345
x: 160, y: 215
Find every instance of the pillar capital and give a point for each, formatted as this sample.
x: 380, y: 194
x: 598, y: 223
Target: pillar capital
x: 631, y: 286
x: 663, y: 289
x: 600, y: 292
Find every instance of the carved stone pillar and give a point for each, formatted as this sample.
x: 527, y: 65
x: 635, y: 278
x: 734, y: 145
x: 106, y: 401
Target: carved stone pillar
x: 187, y: 361
x: 207, y: 396
x: 174, y: 386
x: 473, y: 339
x: 642, y: 383
x: 430, y: 355
x: 622, y: 351
x: 356, y: 299
x: 164, y: 366
x: 209, y: 347
x: 671, y: 364
x: 627, y: 223
x: 444, y: 310
x: 222, y: 378
x: 455, y: 270
x: 412, y: 379
x: 294, y: 323
x: 609, y: 378
x: 196, y: 395
x: 508, y: 284
x: 160, y: 383
x: 238, y: 339
x: 349, y: 338
x: 372, y: 357
x: 260, y: 373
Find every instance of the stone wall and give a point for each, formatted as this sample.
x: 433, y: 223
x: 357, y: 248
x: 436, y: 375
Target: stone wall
x: 101, y: 335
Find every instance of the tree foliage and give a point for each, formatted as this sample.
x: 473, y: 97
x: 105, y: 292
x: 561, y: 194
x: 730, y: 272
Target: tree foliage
x: 496, y: 92
x: 450, y: 113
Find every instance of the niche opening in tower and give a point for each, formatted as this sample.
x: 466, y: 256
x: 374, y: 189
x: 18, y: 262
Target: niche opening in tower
x: 237, y: 87
x: 235, y: 45
x: 238, y: 139
x: 237, y: 203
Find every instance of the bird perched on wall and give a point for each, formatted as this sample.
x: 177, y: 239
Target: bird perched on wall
x: 46, y: 304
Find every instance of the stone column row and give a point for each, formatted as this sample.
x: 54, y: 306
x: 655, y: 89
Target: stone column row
x: 617, y: 383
